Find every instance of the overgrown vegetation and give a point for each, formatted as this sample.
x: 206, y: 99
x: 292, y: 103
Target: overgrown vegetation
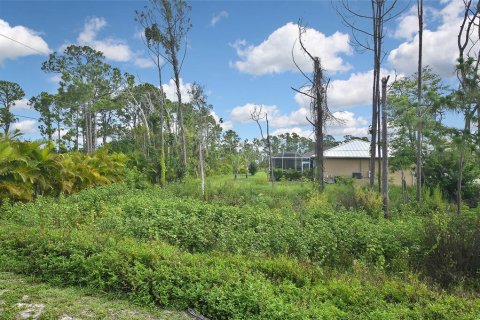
x: 259, y: 259
x: 31, y: 169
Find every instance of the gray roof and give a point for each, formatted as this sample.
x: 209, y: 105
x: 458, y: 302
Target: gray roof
x: 357, y: 149
x: 288, y: 155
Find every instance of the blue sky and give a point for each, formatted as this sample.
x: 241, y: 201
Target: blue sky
x: 240, y: 51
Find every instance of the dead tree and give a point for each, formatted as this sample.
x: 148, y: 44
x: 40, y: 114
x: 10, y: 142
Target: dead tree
x: 380, y: 14
x: 467, y: 73
x: 319, y: 111
x: 386, y: 201
x: 419, y: 169
x: 257, y: 115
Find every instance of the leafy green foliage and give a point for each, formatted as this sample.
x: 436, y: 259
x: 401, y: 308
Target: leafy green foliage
x: 30, y: 169
x: 252, y: 168
x: 258, y: 259
x: 10, y: 92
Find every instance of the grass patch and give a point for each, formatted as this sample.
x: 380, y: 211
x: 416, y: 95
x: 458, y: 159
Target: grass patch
x: 22, y: 294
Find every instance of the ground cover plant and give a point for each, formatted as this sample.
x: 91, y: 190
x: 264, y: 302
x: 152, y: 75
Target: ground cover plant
x: 257, y: 259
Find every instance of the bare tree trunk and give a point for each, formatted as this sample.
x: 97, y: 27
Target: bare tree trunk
x: 77, y: 131
x: 379, y: 144
x: 86, y: 131
x: 461, y: 161
x: 419, y: 169
x: 464, y: 39
x: 386, y: 212
x: 202, y: 170
x: 58, y: 134
x: 183, y: 141
x: 163, y: 167
x: 104, y: 125
x: 319, y: 122
x: 93, y: 128
x: 272, y: 178
x: 375, y: 91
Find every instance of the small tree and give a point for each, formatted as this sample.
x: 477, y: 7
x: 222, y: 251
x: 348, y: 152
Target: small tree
x: 257, y: 115
x: 253, y: 168
x: 10, y: 92
x: 44, y: 103
x: 199, y: 102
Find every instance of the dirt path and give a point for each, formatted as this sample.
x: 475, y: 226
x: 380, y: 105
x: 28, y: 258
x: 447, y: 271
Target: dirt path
x: 22, y: 298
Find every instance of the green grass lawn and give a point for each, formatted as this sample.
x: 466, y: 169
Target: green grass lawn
x: 24, y: 298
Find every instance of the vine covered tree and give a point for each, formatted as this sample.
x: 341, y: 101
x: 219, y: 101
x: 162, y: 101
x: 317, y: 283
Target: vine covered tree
x: 319, y: 110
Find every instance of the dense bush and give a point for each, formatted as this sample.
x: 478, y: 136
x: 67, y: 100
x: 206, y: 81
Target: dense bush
x: 327, y: 236
x: 219, y: 286
x: 291, y: 174
x: 31, y: 169
x: 252, y: 168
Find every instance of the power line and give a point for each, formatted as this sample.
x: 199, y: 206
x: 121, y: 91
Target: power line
x: 17, y: 115
x: 23, y: 44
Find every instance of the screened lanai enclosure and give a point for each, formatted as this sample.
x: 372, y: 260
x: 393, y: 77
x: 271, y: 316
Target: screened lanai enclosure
x: 291, y: 160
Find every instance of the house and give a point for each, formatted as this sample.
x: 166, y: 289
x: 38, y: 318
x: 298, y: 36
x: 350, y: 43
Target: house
x: 290, y: 160
x: 350, y: 159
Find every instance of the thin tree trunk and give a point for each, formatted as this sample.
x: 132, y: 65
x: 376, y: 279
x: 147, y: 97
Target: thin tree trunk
x: 386, y: 212
x: 272, y: 178
x: 419, y: 169
x: 77, y: 130
x: 163, y: 167
x: 379, y: 143
x: 58, y: 132
x: 104, y: 125
x: 317, y: 78
x: 183, y: 140
x: 376, y: 71
x: 202, y: 171
x: 93, y: 128
x: 461, y: 161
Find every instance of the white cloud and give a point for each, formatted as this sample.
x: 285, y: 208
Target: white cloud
x: 274, y: 55
x: 217, y: 17
x: 21, y: 104
x: 11, y: 50
x: 301, y: 132
x: 348, y: 124
x: 114, y: 49
x: 440, y: 49
x: 143, y: 62
x: 55, y: 79
x: 242, y: 114
x: 25, y: 126
x: 352, y: 92
x: 170, y: 90
x: 140, y: 34
x: 407, y: 25
x: 225, y: 125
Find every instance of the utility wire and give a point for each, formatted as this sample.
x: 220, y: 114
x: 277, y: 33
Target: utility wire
x: 23, y: 44
x: 17, y: 115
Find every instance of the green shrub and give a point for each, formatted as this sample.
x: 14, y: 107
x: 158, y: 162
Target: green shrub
x: 218, y: 286
x: 252, y: 168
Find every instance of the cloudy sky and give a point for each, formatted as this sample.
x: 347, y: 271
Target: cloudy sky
x: 240, y: 51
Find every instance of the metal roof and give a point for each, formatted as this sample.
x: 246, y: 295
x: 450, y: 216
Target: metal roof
x: 351, y: 149
x: 288, y: 155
